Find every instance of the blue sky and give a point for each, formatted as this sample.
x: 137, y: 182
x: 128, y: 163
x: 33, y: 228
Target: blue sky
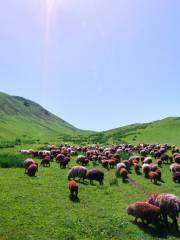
x: 98, y: 64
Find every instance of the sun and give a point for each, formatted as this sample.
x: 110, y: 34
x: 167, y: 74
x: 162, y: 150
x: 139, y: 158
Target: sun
x: 49, y: 5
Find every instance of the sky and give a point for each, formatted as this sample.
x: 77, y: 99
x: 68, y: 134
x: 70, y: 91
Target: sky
x: 98, y: 64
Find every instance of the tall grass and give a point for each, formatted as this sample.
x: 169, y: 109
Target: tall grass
x: 8, y: 160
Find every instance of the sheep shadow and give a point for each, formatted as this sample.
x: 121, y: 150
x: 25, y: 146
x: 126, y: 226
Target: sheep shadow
x: 74, y: 199
x: 160, y: 231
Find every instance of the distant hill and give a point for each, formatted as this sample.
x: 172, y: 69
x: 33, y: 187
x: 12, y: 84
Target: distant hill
x: 162, y: 131
x: 22, y: 118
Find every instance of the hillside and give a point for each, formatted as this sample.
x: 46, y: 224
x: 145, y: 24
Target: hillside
x: 22, y: 118
x: 26, y: 120
x: 162, y: 131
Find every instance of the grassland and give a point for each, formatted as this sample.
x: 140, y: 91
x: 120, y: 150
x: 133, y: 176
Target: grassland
x: 40, y: 208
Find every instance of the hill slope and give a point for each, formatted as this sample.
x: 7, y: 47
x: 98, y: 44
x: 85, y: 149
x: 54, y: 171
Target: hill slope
x: 27, y: 120
x: 163, y: 131
x: 20, y: 118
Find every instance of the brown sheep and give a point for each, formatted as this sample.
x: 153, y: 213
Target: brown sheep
x: 169, y: 205
x: 159, y: 162
x: 112, y: 163
x: 77, y: 171
x: 153, y: 177
x: 136, y: 168
x: 95, y: 174
x: 46, y: 161
x: 27, y: 163
x: 32, y: 169
x: 145, y: 211
x: 124, y: 174
x: 73, y: 187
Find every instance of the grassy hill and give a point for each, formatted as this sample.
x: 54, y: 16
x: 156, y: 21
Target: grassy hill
x: 163, y: 131
x: 25, y: 119
x: 28, y: 121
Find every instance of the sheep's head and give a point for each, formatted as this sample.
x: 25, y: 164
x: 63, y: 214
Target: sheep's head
x: 130, y: 210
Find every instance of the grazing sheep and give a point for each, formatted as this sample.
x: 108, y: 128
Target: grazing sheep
x: 158, y: 171
x: 175, y: 167
x: 177, y: 158
x: 153, y: 167
x: 169, y: 205
x: 95, y: 174
x: 63, y: 163
x: 153, y: 177
x: 77, y: 171
x: 119, y: 166
x: 146, y: 169
x: 147, y: 160
x: 124, y: 174
x: 73, y: 187
x: 176, y: 177
x: 46, y: 161
x: 27, y: 163
x: 32, y: 169
x: 105, y: 163
x: 82, y: 160
x: 60, y: 157
x: 145, y: 211
x: 136, y: 168
x: 128, y: 164
x: 159, y: 162
x: 164, y: 158
x: 112, y: 163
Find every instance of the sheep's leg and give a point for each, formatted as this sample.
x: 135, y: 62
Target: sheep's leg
x: 135, y: 220
x: 165, y: 219
x: 175, y: 223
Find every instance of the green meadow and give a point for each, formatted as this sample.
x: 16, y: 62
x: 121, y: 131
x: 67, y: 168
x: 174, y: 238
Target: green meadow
x: 40, y: 207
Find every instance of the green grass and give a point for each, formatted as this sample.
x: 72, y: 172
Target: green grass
x: 40, y: 208
x: 163, y: 131
x: 11, y: 160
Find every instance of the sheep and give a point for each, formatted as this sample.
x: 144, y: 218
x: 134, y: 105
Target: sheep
x: 145, y: 211
x: 176, y: 177
x: 112, y: 163
x: 153, y: 177
x: 77, y: 171
x: 120, y: 165
x: 164, y: 158
x: 146, y: 169
x: 159, y: 162
x: 63, y: 163
x: 73, y: 187
x: 60, y: 157
x: 105, y: 163
x: 27, y: 163
x: 158, y: 171
x: 82, y: 160
x: 32, y: 169
x: 127, y: 163
x: 95, y: 174
x: 147, y: 160
x: 124, y: 174
x: 136, y: 168
x: 177, y: 158
x: 169, y: 205
x: 46, y: 161
x: 175, y: 167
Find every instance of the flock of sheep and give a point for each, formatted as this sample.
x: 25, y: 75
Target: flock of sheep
x: 156, y: 209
